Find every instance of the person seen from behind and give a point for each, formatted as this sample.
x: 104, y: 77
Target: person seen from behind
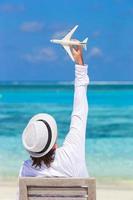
x: 40, y: 135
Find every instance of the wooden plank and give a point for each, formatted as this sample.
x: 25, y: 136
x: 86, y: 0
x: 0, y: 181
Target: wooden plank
x: 58, y: 181
x: 57, y: 191
x: 22, y: 190
x: 55, y: 198
x: 92, y: 190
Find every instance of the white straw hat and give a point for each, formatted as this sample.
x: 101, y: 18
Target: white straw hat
x: 40, y: 135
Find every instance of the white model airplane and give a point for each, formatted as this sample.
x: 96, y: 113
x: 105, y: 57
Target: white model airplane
x: 66, y: 42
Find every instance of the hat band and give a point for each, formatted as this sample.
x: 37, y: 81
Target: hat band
x: 49, y: 136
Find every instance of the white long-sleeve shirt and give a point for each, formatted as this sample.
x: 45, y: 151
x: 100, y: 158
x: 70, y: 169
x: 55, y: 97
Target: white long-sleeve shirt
x: 70, y: 158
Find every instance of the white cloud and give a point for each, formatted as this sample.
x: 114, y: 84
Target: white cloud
x: 10, y: 8
x: 59, y: 34
x: 96, y: 34
x: 41, y: 55
x: 96, y: 52
x: 130, y: 11
x: 33, y: 26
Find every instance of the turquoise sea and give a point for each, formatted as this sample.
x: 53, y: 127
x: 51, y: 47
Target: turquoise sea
x: 109, y: 144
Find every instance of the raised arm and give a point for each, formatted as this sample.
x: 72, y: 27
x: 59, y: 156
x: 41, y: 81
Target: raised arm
x: 75, y: 140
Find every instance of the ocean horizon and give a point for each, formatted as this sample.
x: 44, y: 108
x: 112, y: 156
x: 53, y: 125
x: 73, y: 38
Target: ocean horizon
x: 61, y: 82
x: 109, y: 135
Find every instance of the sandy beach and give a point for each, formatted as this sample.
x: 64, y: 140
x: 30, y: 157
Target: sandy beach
x: 116, y: 191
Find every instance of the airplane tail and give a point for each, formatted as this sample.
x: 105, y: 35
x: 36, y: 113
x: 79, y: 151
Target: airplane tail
x: 85, y: 43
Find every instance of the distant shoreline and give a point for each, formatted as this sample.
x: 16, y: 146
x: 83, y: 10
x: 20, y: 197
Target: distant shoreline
x: 40, y: 83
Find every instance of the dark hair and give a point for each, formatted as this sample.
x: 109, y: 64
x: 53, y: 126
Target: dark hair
x: 46, y: 159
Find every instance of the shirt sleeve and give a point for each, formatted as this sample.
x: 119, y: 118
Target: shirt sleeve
x: 74, y: 143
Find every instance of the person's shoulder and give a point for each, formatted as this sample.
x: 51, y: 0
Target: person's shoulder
x: 27, y: 162
x: 25, y: 167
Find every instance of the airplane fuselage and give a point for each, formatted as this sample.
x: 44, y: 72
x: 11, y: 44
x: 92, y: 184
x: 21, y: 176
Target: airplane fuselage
x: 68, y: 43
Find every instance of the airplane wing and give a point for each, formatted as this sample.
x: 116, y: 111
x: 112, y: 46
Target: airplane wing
x: 69, y: 35
x: 67, y: 48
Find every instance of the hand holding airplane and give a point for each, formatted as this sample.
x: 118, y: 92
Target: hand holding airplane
x: 67, y: 43
x: 77, y: 54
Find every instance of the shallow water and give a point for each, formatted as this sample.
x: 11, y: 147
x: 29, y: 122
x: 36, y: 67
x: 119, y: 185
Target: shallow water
x: 109, y: 144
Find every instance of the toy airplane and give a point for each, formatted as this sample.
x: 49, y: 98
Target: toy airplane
x: 66, y: 42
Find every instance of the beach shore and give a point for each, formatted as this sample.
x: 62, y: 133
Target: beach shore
x: 114, y: 191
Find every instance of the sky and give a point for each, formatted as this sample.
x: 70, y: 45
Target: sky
x: 26, y: 28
